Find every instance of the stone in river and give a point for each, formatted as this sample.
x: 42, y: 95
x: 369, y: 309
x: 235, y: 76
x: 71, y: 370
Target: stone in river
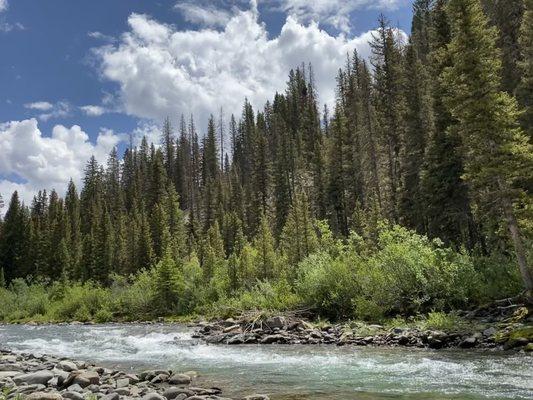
x: 468, y: 343
x: 179, y: 379
x: 35, y: 377
x: 257, y: 397
x: 174, y: 393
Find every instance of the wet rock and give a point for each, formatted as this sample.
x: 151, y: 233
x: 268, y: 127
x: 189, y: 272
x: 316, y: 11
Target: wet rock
x: 41, y: 377
x: 257, y: 397
x: 468, y: 343
x: 232, y: 329
x: 490, y: 331
x: 160, y: 378
x: 277, y: 338
x: 179, y: 379
x: 237, y: 339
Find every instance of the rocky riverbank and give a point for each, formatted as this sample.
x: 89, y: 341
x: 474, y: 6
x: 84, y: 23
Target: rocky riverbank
x: 484, y: 330
x: 26, y: 376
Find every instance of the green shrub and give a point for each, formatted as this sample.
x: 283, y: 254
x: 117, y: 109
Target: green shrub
x: 80, y: 302
x: 441, y: 321
x: 328, y: 284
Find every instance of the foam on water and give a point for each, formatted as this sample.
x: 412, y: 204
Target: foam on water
x: 317, y: 371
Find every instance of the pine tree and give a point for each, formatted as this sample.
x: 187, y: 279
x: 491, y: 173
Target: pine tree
x: 266, y: 255
x: 496, y: 150
x: 14, y: 241
x: 525, y: 88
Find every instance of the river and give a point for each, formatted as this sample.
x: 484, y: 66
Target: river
x: 287, y: 371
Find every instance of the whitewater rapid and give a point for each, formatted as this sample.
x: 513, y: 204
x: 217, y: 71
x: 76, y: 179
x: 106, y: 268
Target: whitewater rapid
x: 325, y: 372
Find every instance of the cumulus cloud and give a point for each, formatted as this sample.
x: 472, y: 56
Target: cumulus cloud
x: 203, y: 14
x: 39, y: 162
x: 93, y: 111
x: 3, y: 5
x: 335, y: 13
x: 162, y: 71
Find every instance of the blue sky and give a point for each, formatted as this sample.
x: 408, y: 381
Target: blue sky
x: 77, y: 75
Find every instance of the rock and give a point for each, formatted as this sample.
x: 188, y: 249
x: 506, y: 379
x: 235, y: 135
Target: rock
x: 160, y: 378
x: 75, y: 388
x: 132, y: 378
x: 174, y: 393
x: 8, y: 374
x: 528, y: 348
x: 68, y: 366
x: 237, y: 339
x: 490, y: 331
x: 403, y: 340
x: 72, y: 395
x: 11, y: 367
x: 124, y: 391
x: 468, y: 343
x: 269, y: 339
x: 123, y: 382
x: 275, y: 322
x: 153, y: 396
x: 41, y: 377
x: 83, y: 378
x: 44, y: 396
x: 179, y: 379
x: 31, y: 388
x: 112, y: 396
x: 257, y: 397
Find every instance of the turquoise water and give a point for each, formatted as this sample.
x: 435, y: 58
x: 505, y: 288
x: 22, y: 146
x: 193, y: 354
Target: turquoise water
x: 287, y: 372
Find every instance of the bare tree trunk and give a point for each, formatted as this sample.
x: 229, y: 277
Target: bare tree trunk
x: 516, y: 237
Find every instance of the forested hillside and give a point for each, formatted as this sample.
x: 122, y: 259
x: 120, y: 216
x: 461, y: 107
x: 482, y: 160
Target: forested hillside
x: 413, y: 194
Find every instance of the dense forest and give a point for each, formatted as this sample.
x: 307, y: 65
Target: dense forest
x: 413, y: 194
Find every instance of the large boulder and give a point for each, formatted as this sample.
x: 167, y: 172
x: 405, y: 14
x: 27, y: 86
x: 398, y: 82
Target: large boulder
x: 82, y: 378
x: 153, y: 396
x: 39, y: 377
x: 67, y: 365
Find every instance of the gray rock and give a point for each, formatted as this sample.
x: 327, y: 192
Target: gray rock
x: 179, y: 379
x: 11, y: 367
x: 31, y: 388
x: 72, y: 395
x: 68, y: 366
x: 153, y: 396
x: 84, y: 378
x: 8, y: 374
x: 41, y: 377
x: 257, y: 397
x: 273, y: 339
x: 112, y: 396
x: 44, y: 396
x: 160, y: 378
x: 490, y: 331
x: 123, y: 382
x: 123, y: 391
x: 174, y: 393
x: 237, y: 339
x: 75, y: 388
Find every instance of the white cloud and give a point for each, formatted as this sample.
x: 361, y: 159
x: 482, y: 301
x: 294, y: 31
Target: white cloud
x: 93, y: 111
x: 335, y: 13
x: 39, y: 105
x: 48, y: 110
x: 203, y: 14
x: 101, y: 36
x: 40, y: 162
x: 163, y: 72
x: 3, y: 5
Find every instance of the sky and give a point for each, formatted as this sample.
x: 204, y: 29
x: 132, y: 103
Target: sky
x: 79, y: 77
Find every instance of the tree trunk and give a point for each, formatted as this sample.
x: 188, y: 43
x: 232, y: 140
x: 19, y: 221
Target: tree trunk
x: 514, y: 231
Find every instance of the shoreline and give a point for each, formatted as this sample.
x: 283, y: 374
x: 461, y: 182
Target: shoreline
x: 47, y: 377
x: 495, y: 336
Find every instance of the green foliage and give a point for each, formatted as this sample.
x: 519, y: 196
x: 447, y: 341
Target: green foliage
x: 441, y: 321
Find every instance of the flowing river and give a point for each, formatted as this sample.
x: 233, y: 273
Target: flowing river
x: 287, y: 371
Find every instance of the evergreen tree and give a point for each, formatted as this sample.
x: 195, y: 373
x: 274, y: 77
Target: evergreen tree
x: 496, y: 150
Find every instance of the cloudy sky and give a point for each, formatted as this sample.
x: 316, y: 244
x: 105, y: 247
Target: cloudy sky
x: 77, y: 76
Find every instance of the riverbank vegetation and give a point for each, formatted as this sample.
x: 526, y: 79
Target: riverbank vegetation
x: 413, y: 196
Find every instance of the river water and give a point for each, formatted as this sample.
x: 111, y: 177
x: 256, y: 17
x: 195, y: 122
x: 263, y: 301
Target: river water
x: 290, y: 371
